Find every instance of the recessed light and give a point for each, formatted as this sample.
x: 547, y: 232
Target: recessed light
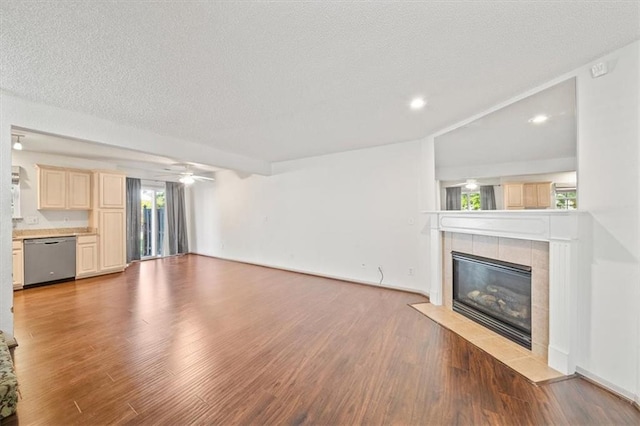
x: 539, y: 119
x: 418, y: 103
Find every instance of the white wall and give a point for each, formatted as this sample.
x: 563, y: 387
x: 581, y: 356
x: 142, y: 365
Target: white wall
x: 339, y: 215
x: 609, y: 185
x: 6, y: 258
x: 28, y: 191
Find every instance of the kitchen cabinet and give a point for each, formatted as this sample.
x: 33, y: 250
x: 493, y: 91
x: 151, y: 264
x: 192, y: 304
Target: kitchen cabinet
x: 79, y: 185
x: 103, y: 194
x: 513, y: 196
x: 112, y: 244
x: 537, y: 195
x: 86, y: 255
x: 109, y: 219
x: 111, y: 190
x: 532, y: 195
x: 18, y: 265
x: 52, y: 188
x: 60, y: 188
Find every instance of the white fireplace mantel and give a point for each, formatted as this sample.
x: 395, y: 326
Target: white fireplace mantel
x: 558, y: 227
x: 539, y: 225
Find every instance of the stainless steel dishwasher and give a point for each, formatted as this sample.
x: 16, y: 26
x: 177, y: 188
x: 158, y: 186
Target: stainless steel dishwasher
x: 49, y: 259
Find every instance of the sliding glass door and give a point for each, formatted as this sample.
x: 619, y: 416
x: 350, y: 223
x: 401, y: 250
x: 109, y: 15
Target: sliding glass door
x: 153, y: 220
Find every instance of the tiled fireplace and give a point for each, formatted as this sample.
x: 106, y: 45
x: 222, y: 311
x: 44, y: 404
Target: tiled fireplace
x: 543, y: 240
x: 522, y: 252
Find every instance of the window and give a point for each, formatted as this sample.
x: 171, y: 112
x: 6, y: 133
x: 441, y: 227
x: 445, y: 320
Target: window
x: 153, y: 222
x: 470, y: 200
x: 566, y: 198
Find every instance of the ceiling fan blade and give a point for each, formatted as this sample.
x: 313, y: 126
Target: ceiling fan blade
x: 203, y: 178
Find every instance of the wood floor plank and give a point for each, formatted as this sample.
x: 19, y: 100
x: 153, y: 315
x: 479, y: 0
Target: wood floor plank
x: 196, y: 340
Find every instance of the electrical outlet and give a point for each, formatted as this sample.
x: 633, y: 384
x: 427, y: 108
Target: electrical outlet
x: 31, y: 220
x: 411, y: 272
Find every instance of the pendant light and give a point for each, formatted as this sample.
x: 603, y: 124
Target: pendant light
x: 17, y: 145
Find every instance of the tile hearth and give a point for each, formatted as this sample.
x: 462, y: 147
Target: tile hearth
x: 511, y: 354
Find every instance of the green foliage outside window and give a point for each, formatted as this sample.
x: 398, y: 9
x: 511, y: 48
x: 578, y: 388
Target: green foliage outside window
x: 471, y: 201
x: 566, y: 200
x: 146, y: 204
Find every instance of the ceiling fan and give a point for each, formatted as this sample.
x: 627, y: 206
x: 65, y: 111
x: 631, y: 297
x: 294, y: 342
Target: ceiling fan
x: 187, y: 176
x: 470, y: 184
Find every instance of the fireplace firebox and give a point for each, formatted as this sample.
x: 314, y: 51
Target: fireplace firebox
x: 495, y: 294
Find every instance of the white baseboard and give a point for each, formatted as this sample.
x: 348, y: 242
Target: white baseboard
x: 318, y: 274
x: 623, y: 393
x: 559, y: 360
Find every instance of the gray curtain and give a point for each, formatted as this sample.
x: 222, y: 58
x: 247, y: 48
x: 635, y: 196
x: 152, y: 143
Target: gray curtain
x: 176, y: 219
x: 487, y: 198
x: 454, y: 198
x: 133, y: 219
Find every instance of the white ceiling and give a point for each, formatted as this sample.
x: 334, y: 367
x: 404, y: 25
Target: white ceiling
x: 284, y: 80
x: 507, y: 136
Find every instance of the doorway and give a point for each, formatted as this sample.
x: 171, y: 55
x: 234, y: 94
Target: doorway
x: 153, y: 221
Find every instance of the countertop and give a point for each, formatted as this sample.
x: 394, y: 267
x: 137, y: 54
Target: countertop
x: 23, y: 234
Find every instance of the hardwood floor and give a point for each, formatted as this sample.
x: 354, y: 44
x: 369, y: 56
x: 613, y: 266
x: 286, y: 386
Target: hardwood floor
x: 198, y: 340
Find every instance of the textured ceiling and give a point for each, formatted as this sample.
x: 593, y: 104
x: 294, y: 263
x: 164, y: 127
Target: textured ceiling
x: 284, y: 80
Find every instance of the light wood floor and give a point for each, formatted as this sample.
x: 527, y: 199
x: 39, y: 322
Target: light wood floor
x: 198, y: 340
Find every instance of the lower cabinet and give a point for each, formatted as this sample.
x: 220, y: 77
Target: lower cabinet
x: 86, y: 256
x: 18, y: 265
x: 105, y: 252
x: 112, y: 244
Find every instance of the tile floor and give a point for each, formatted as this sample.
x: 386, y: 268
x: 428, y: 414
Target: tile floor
x: 513, y: 355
